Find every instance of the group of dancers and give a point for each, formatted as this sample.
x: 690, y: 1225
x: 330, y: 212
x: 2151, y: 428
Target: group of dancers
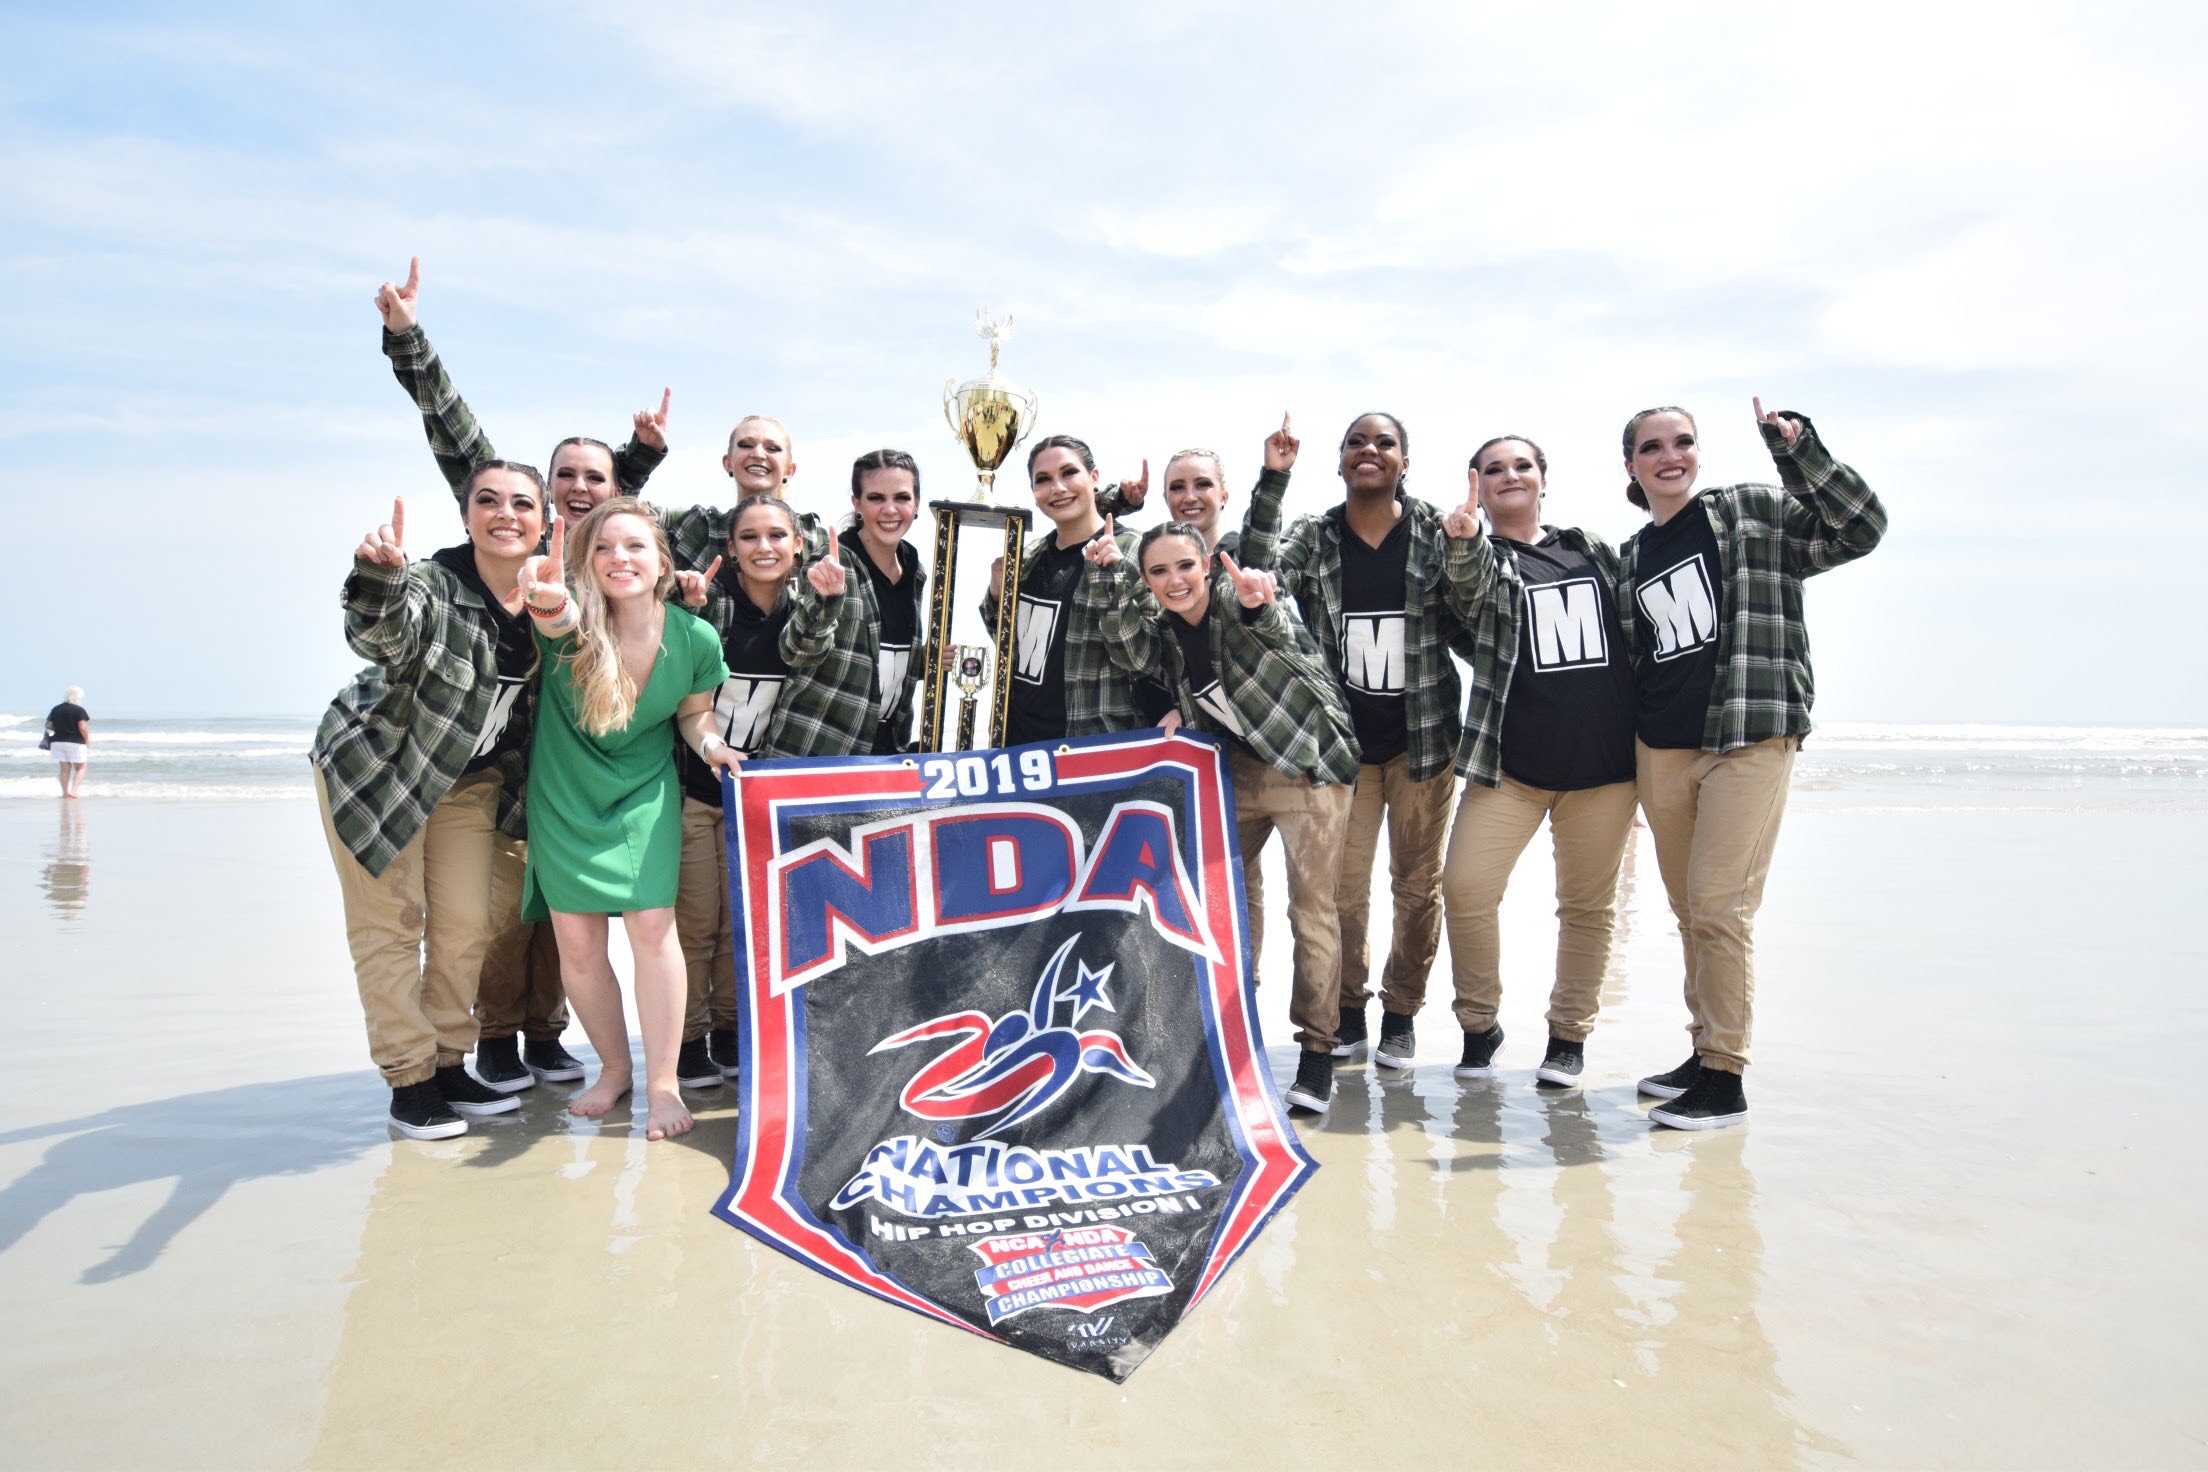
x: 608, y: 660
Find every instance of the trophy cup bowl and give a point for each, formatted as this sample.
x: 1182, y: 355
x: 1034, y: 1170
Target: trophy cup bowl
x: 990, y: 416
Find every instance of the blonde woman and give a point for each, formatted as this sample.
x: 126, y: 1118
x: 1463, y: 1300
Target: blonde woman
x: 605, y: 808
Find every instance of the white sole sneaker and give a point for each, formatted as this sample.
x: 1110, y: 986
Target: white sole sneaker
x: 1392, y: 1060
x: 1550, y: 1075
x: 1462, y: 1072
x: 1352, y: 1052
x: 1655, y: 1090
x: 1297, y: 1099
x: 431, y: 1131
x: 1669, y: 1120
x: 505, y: 1104
x: 509, y: 1085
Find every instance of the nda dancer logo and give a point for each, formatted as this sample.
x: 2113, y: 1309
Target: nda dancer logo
x: 1010, y: 1067
x: 1083, y: 1270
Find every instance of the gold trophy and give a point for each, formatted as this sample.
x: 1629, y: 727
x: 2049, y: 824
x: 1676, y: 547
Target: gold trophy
x: 990, y: 416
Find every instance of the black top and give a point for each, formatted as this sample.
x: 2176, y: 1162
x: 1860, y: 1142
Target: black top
x: 753, y: 649
x: 1373, y: 660
x: 1677, y: 608
x: 1203, y: 679
x: 897, y: 635
x: 68, y: 723
x: 1568, y: 721
x: 517, y: 657
x: 1039, y: 648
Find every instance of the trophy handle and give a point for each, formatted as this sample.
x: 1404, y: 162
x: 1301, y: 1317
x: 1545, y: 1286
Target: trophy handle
x: 950, y: 391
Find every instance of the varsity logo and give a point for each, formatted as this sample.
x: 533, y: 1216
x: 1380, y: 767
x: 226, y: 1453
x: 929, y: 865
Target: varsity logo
x: 1081, y: 1270
x: 741, y: 707
x: 1008, y: 1068
x: 891, y: 661
x: 1565, y: 619
x: 1372, y: 652
x: 1212, y: 701
x: 502, y: 710
x: 1679, y: 608
x: 1038, y: 621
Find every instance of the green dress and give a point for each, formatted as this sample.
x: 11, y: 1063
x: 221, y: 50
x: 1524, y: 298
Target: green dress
x: 605, y: 812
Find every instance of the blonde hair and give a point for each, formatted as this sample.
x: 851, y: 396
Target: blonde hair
x: 605, y: 696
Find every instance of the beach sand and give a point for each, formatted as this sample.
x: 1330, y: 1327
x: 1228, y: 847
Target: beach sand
x: 1961, y: 1228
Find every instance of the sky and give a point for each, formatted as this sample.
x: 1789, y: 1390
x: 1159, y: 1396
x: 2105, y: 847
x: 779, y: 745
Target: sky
x: 1966, y: 240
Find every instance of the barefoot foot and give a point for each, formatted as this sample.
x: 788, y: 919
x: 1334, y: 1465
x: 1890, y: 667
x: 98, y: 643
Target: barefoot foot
x: 601, y: 1096
x: 668, y: 1117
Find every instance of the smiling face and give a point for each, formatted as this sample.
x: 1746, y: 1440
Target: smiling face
x: 505, y: 515
x: 759, y: 459
x: 1667, y: 456
x: 1194, y: 492
x: 582, y: 476
x: 1065, y: 489
x: 763, y: 546
x: 624, y: 558
x: 1511, y: 483
x: 1373, y: 456
x: 886, y: 502
x: 1176, y: 572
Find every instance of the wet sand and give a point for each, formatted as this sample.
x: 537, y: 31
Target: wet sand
x: 1961, y: 1228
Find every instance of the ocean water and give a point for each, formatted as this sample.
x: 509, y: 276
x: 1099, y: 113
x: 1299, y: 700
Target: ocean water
x: 1844, y: 766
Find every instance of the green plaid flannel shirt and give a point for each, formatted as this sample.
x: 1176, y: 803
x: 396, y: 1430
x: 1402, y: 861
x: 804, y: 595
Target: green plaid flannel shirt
x: 1486, y: 594
x: 1308, y: 563
x: 1270, y: 670
x: 1768, y: 539
x: 1100, y: 696
x: 455, y: 438
x: 831, y: 703
x: 395, y: 740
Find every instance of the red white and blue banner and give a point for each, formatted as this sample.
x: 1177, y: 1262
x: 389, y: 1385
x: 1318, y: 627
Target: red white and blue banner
x: 1001, y: 1063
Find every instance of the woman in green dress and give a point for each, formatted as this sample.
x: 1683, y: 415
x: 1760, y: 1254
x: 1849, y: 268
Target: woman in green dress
x: 605, y: 808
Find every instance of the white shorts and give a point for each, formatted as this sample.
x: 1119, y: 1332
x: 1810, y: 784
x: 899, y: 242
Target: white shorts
x: 71, y: 751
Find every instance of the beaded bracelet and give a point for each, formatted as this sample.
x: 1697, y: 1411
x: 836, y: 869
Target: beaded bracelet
x: 536, y: 612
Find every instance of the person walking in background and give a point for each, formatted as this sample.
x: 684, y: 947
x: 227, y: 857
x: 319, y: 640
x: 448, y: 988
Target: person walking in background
x: 1711, y: 593
x: 605, y: 807
x: 420, y: 767
x: 1241, y: 669
x: 521, y: 1008
x: 1367, y: 575
x: 69, y: 738
x: 1548, y: 733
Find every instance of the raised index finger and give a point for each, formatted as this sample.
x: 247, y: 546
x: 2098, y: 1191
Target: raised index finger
x: 1284, y: 423
x: 1758, y: 402
x: 1227, y: 562
x: 666, y: 397
x: 398, y: 521
x: 559, y: 543
x: 716, y: 567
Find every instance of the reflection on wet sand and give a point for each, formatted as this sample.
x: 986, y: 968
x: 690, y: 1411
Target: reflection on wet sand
x: 67, y: 875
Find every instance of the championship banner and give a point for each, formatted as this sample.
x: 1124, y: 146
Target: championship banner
x: 1001, y: 1064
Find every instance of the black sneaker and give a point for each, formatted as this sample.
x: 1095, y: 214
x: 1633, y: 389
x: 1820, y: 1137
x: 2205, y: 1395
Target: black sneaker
x: 1671, y: 1085
x: 727, y: 1053
x: 1314, y: 1085
x: 498, y: 1064
x: 694, y: 1068
x: 551, y: 1062
x: 420, y: 1112
x: 470, y: 1095
x: 1715, y: 1100
x: 1397, y: 1042
x: 1349, y: 1037
x: 1563, y: 1063
x: 1479, y: 1053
